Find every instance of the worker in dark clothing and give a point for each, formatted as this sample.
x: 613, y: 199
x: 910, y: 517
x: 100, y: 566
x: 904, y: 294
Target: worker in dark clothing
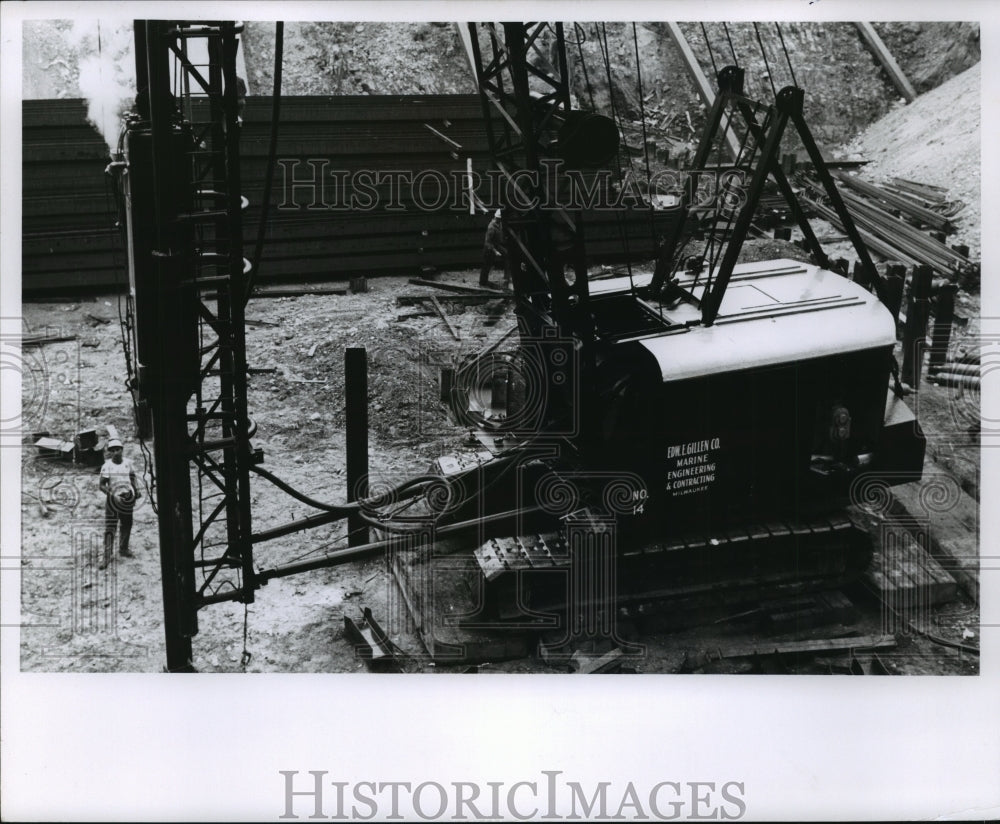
x: 493, y: 249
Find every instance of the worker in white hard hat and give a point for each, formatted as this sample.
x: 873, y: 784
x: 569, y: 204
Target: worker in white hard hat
x: 121, y: 488
x: 493, y: 248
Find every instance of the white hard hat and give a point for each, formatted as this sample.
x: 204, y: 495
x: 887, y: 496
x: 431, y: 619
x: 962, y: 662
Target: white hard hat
x: 497, y: 213
x: 113, y: 442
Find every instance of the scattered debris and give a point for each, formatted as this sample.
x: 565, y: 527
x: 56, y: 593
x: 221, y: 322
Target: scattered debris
x: 440, y: 310
x: 444, y: 138
x: 54, y: 448
x: 589, y: 663
x: 371, y: 643
x: 411, y: 315
x: 851, y: 664
x: 40, y: 340
x: 491, y: 346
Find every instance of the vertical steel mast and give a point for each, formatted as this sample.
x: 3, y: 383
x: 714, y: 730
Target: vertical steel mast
x: 188, y: 283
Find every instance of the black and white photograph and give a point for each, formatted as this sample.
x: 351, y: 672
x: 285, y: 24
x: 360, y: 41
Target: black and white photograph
x: 367, y: 347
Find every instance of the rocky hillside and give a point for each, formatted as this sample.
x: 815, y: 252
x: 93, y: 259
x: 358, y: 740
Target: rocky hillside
x: 359, y: 58
x: 845, y: 88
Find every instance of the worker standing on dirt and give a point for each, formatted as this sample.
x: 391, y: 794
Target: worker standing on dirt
x: 493, y: 249
x: 121, y: 488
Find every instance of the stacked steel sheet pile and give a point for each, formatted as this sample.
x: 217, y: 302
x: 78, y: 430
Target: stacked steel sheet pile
x: 902, y: 221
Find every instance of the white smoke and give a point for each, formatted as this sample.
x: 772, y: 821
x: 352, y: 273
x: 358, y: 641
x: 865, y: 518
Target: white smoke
x: 106, y: 61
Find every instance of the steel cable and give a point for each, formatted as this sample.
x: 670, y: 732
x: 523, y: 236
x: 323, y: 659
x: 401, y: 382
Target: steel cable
x: 279, y: 40
x: 785, y: 50
x: 736, y: 60
x: 645, y: 141
x: 767, y: 65
x: 581, y: 37
x: 622, y: 227
x: 711, y: 53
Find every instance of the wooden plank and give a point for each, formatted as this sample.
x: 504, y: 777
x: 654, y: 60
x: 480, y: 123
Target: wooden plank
x: 818, y: 646
x: 458, y: 287
x: 905, y: 576
x: 296, y: 292
x: 416, y: 300
x: 941, y: 587
x: 878, y: 48
x: 924, y: 591
x: 934, y: 568
x: 952, y: 531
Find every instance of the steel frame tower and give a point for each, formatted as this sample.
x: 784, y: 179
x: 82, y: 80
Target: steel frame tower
x: 189, y: 290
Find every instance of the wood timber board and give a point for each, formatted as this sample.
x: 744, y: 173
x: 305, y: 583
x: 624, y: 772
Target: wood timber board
x: 950, y: 521
x: 904, y: 575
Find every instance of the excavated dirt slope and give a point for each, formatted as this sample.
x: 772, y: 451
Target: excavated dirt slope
x: 933, y: 140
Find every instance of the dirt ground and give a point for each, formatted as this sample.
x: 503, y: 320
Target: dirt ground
x: 80, y: 619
